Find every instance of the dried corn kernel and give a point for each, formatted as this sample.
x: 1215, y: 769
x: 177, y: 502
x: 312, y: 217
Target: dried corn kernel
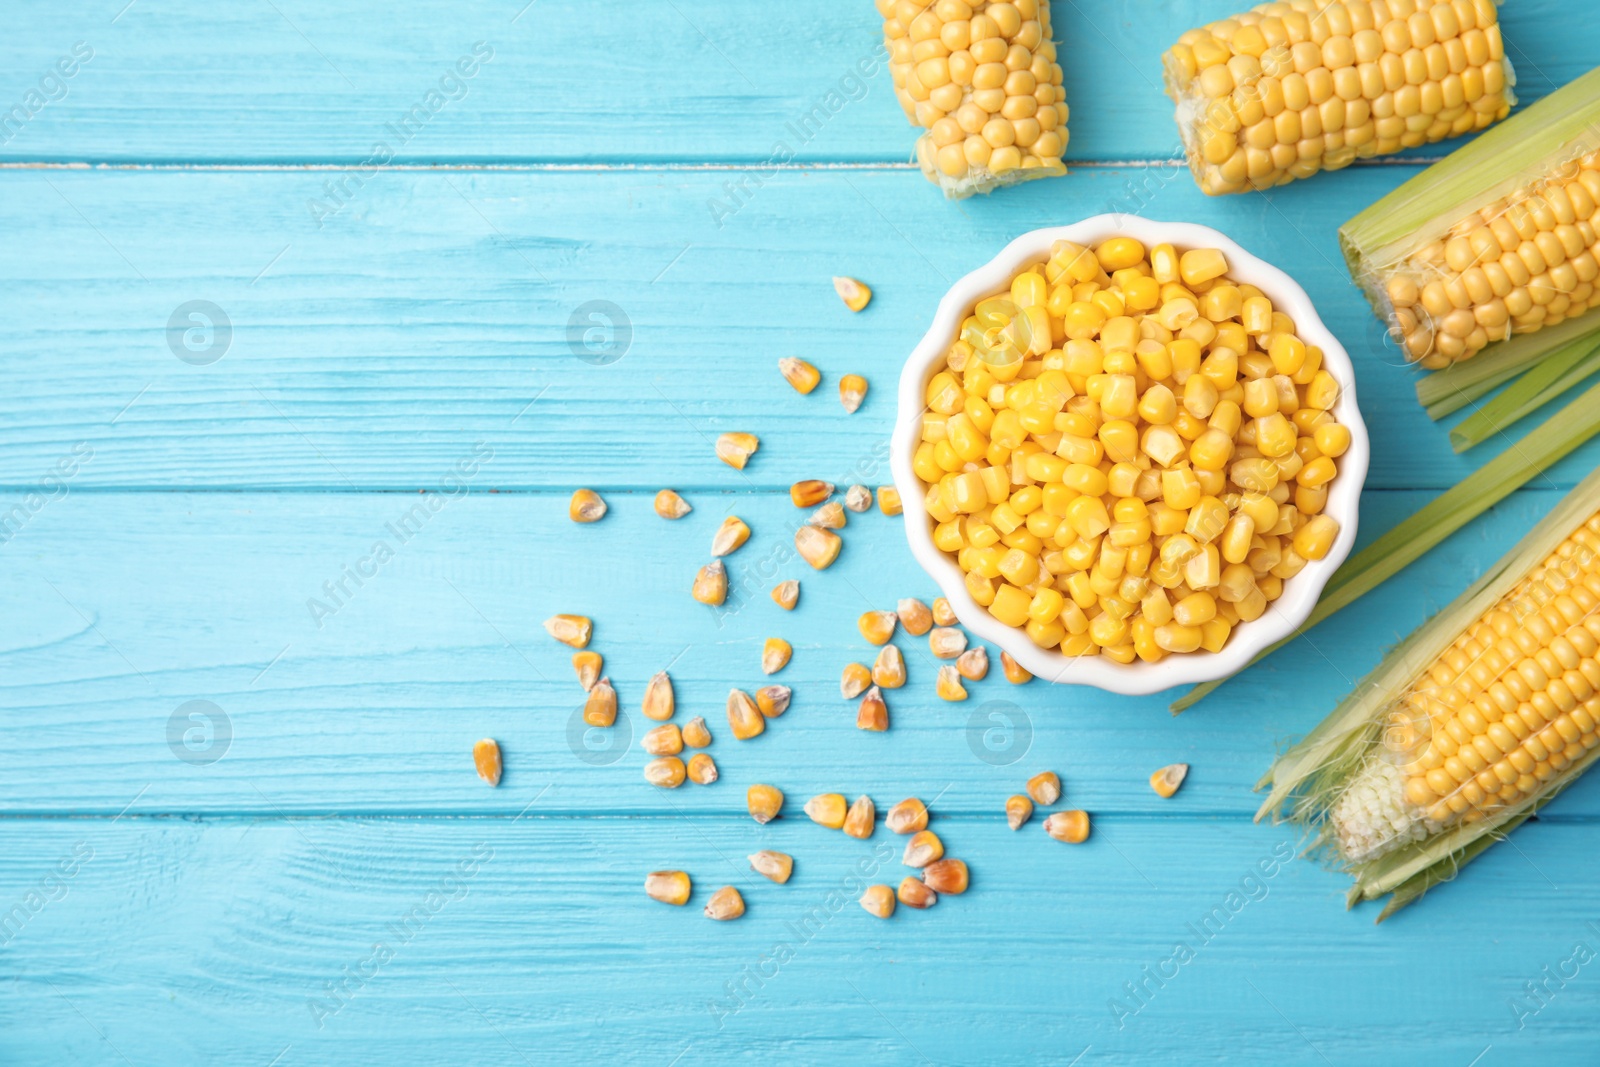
x: 777, y: 866
x: 817, y: 546
x: 947, y: 876
x: 914, y: 616
x: 862, y: 817
x: 830, y: 516
x: 702, y: 769
x: 889, y: 500
x: 775, y: 655
x: 872, y: 713
x: 889, y: 669
x: 877, y: 626
x: 586, y: 506
x: 798, y: 373
x: 1069, y: 826
x: 1019, y: 809
x: 695, y: 733
x: 1015, y: 672
x: 669, y: 505
x: 858, y: 498
x: 665, y: 772
x: 827, y: 809
x: 946, y: 642
x: 773, y: 700
x: 663, y: 740
x: 729, y: 536
x: 943, y: 613
x: 1045, y: 788
x: 810, y: 493
x: 948, y: 684
x: 486, y: 758
x: 711, y: 584
x: 725, y: 904
x: 659, y: 703
x: 854, y: 681
x: 973, y: 664
x: 922, y: 849
x: 907, y: 817
x: 744, y: 718
x: 669, y: 887
x: 878, y: 900
x: 786, y: 594
x: 587, y: 665
x: 914, y: 894
x: 600, y: 707
x: 735, y: 449
x: 764, y: 802
x: 1167, y: 780
x: 574, y: 630
x: 854, y: 294
x: 852, y: 391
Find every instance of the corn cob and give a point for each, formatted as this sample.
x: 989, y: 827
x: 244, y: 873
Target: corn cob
x: 1496, y: 241
x: 1291, y: 88
x: 1469, y: 726
x: 981, y: 79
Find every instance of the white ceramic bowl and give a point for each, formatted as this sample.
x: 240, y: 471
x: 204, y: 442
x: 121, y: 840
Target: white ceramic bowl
x: 1300, y: 593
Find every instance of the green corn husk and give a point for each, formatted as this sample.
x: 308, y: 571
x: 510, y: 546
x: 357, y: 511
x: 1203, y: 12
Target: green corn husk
x: 1561, y: 370
x: 1357, y: 745
x: 1389, y: 241
x: 1447, y: 391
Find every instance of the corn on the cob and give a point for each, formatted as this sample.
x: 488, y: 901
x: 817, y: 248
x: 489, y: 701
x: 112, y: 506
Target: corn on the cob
x: 1498, y: 240
x: 1470, y: 725
x: 982, y: 79
x: 1294, y: 87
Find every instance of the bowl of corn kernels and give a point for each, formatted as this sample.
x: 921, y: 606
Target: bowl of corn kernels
x: 1129, y: 453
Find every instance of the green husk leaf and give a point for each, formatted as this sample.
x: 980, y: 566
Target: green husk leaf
x: 1558, y: 372
x: 1448, y: 391
x: 1310, y: 776
x: 1439, y: 518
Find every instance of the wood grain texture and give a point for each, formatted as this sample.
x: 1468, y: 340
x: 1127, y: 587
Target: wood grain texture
x: 297, y: 81
x: 438, y: 312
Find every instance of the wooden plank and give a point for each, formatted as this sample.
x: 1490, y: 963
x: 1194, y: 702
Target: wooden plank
x: 487, y: 941
x: 289, y: 82
x: 122, y: 609
x: 442, y: 312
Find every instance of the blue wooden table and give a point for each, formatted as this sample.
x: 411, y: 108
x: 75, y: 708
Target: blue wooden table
x: 240, y: 820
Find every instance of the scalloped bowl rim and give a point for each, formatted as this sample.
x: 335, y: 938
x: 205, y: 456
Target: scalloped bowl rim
x: 1300, y: 593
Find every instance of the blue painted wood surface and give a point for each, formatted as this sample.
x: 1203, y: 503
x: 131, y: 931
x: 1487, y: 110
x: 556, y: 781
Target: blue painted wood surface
x: 337, y: 886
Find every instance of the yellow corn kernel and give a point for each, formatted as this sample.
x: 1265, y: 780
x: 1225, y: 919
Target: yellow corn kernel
x: 775, y: 655
x: 663, y: 740
x: 587, y: 665
x: 764, y: 802
x: 744, y: 718
x: 786, y: 594
x: 878, y: 900
x: 1167, y: 780
x: 586, y: 506
x: 861, y: 819
x: 858, y: 498
x: 725, y: 904
x: 669, y: 505
x: 1019, y: 809
x: 798, y: 373
x: 923, y: 848
x: 777, y: 866
x: 1069, y: 826
x: 665, y: 772
x: 817, y: 546
x: 810, y: 493
x: 872, y: 714
x: 854, y: 294
x: 729, y: 536
x: 828, y: 809
x: 948, y: 684
x: 830, y: 516
x: 889, y: 669
x: 907, y: 817
x: 1015, y: 673
x: 669, y: 887
x: 946, y: 642
x: 914, y: 894
x: 659, y: 703
x: 946, y: 876
x: 877, y: 626
x: 1200, y: 265
x: 600, y: 706
x: 1045, y: 788
x: 889, y: 500
x: 696, y: 734
x: 973, y: 664
x: 852, y: 391
x: 735, y: 449
x: 573, y: 630
x: 486, y: 760
x: 1315, y: 539
x: 701, y: 769
x: 854, y: 681
x: 711, y: 584
x: 943, y: 613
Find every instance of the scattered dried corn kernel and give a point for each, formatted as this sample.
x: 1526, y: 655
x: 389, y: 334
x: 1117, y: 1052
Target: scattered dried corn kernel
x: 1069, y: 826
x: 943, y: 613
x: 858, y: 498
x: 854, y: 681
x: 878, y: 900
x: 702, y: 769
x: 725, y: 904
x: 669, y: 887
x: 1045, y: 788
x: 586, y: 506
x: 744, y: 718
x: 587, y: 665
x: 862, y: 817
x: 574, y: 630
x: 786, y: 594
x: 764, y: 802
x: 1019, y: 809
x: 486, y: 758
x: 777, y: 866
x: 600, y: 707
x: 889, y: 500
x: 1167, y: 780
x: 810, y: 493
x: 914, y: 616
x: 658, y: 699
x: 695, y: 733
x: 872, y: 713
x: 923, y: 848
x: 877, y: 626
x: 854, y: 294
x: 852, y: 391
x: 1015, y: 672
x: 773, y: 700
x: 665, y: 772
x: 729, y: 536
x: 907, y: 817
x: 798, y: 373
x: 946, y: 642
x: 828, y: 809
x: 669, y: 505
x: 889, y: 669
x: 735, y: 449
x: 948, y: 684
x: 817, y: 546
x: 711, y: 584
x: 775, y: 655
x: 946, y: 876
x: 663, y: 740
x: 914, y: 894
x: 973, y: 664
x: 829, y: 516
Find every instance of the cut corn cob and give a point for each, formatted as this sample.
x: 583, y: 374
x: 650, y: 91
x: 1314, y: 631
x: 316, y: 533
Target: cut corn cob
x: 1467, y: 727
x: 1291, y: 88
x: 1496, y: 241
x: 982, y: 79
